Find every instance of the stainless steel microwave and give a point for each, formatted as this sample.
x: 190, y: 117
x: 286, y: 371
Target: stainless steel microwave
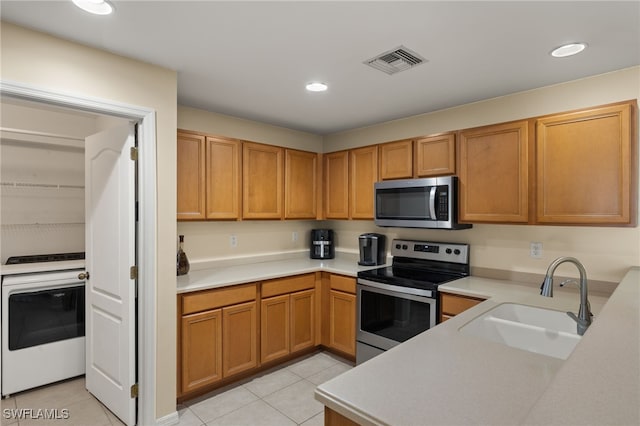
x: 418, y: 203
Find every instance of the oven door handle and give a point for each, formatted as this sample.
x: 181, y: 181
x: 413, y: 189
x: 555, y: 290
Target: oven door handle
x: 396, y: 288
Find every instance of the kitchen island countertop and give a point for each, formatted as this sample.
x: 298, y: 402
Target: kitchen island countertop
x: 442, y: 377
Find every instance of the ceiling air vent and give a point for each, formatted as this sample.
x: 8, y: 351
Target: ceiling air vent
x: 395, y: 60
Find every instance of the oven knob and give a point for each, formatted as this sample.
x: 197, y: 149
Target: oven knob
x: 405, y: 247
x: 398, y: 246
x: 448, y: 251
x: 456, y: 252
x: 83, y: 276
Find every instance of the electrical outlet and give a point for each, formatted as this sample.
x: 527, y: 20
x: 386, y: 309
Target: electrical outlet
x: 233, y: 241
x: 535, y: 250
x: 294, y: 236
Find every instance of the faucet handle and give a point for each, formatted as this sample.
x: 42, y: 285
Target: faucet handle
x: 568, y: 281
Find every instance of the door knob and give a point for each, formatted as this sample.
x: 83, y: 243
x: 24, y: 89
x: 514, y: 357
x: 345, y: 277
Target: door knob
x: 83, y: 275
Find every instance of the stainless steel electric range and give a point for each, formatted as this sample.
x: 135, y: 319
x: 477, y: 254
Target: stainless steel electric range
x: 398, y: 302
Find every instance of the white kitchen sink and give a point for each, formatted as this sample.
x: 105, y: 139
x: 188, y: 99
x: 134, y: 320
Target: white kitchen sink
x: 539, y: 330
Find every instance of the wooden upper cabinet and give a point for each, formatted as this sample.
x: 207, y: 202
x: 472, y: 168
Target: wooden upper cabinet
x: 223, y: 171
x: 262, y: 181
x: 493, y: 173
x: 363, y: 173
x: 190, y: 176
x: 300, y: 184
x: 435, y: 155
x: 396, y: 160
x: 336, y: 185
x: 586, y: 166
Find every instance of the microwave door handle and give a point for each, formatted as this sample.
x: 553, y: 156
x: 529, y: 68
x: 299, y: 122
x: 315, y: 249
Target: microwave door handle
x: 432, y: 203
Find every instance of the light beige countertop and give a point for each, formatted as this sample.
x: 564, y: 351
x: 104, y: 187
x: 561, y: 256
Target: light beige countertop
x: 443, y: 377
x: 219, y: 274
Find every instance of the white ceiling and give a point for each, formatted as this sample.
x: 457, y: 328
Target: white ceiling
x: 253, y: 59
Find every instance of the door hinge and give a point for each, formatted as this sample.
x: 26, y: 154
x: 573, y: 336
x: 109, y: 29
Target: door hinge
x: 133, y: 272
x: 134, y: 153
x: 134, y: 390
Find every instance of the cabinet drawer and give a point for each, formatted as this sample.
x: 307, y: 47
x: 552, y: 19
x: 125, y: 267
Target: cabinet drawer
x: 288, y: 285
x: 453, y: 304
x: 342, y: 283
x: 217, y: 298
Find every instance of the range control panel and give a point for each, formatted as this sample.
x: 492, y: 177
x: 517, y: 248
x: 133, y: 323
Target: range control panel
x: 443, y: 252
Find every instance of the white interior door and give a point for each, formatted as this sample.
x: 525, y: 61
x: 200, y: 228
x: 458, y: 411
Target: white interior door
x: 110, y: 253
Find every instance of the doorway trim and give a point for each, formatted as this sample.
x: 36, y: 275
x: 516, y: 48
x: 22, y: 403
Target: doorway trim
x: 147, y: 248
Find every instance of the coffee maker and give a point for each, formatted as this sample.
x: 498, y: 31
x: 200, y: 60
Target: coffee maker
x: 372, y: 249
x: 322, y: 244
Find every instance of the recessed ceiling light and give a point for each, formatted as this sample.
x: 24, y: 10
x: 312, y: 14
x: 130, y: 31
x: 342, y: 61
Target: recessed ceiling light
x: 568, y: 50
x: 317, y: 87
x: 97, y: 7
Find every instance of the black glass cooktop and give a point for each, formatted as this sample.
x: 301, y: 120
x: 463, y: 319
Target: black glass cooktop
x: 416, y: 274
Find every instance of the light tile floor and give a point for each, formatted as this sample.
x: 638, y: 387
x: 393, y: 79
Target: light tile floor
x: 280, y: 396
x: 83, y: 408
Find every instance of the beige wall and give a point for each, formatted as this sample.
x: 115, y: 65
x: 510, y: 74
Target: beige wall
x: 607, y: 253
x: 224, y: 125
x: 43, y: 61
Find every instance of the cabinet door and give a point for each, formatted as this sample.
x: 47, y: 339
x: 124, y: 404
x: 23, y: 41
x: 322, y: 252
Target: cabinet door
x: 363, y: 173
x: 223, y: 178
x: 493, y: 175
x: 435, y: 155
x: 453, y: 304
x: 584, y: 167
x: 303, y: 314
x: 300, y: 184
x: 396, y: 160
x: 342, y: 322
x: 240, y: 338
x: 262, y: 181
x: 336, y: 185
x: 201, y: 349
x: 190, y: 176
x: 274, y: 328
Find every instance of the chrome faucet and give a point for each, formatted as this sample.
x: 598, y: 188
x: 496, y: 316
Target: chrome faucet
x: 583, y: 319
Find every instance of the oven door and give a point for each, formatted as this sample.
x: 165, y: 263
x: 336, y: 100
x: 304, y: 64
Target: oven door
x: 387, y: 315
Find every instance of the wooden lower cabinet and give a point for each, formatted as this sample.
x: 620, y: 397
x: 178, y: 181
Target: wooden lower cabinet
x: 201, y: 349
x: 218, y: 336
x: 342, y: 322
x: 287, y: 322
x: 239, y: 338
x: 453, y: 304
x: 333, y: 418
x: 339, y: 313
x: 274, y: 328
x: 303, y: 320
x: 233, y: 331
